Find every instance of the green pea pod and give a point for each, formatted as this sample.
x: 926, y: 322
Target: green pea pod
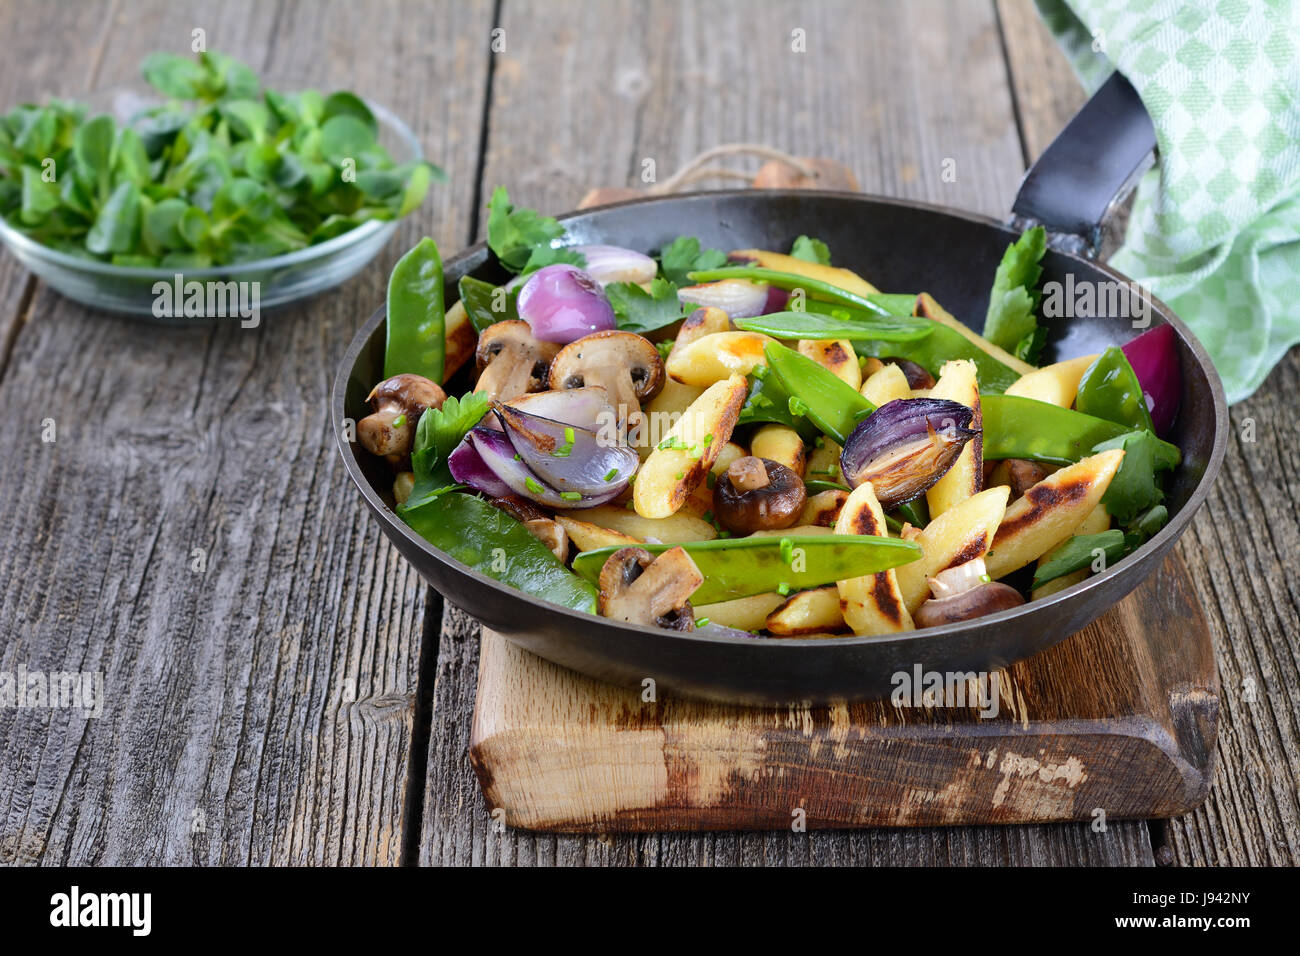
x: 941, y: 345
x: 1080, y: 552
x: 739, y: 567
x: 1110, y: 390
x: 1017, y: 427
x: 813, y: 288
x: 482, y: 299
x: 768, y: 401
x: 491, y: 542
x: 416, y: 321
x: 828, y: 402
x: 842, y: 322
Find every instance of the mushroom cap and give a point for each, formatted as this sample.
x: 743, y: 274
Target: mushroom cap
x: 985, y: 599
x: 637, y: 587
x: 776, y: 504
x: 606, y: 350
x: 514, y: 334
x: 414, y: 393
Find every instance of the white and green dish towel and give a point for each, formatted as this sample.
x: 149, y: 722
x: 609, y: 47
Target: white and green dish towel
x: 1215, y: 230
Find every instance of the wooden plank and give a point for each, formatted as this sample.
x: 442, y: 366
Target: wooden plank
x: 1238, y: 552
x: 462, y: 830
x: 1046, y: 92
x: 660, y: 81
x: 262, y: 710
x: 1119, y: 719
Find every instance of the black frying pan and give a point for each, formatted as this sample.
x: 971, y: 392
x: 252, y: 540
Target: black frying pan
x: 898, y: 246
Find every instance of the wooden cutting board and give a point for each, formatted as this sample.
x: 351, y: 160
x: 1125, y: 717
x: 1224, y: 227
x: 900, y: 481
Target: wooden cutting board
x: 1118, y: 721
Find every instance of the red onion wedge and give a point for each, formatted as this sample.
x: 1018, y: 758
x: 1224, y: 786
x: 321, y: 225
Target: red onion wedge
x: 565, y: 457
x: 563, y: 303
x: 905, y: 446
x: 586, y: 407
x: 739, y: 298
x: 468, y: 468
x: 507, y: 467
x: 1154, y: 357
x: 608, y: 264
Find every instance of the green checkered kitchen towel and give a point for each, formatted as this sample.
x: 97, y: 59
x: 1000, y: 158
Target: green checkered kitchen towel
x: 1215, y: 231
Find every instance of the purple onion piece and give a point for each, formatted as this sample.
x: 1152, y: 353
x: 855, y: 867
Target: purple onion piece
x: 562, y: 303
x: 586, y: 407
x: 608, y: 264
x: 567, y: 457
x: 468, y: 468
x: 777, y: 300
x: 499, y: 456
x: 739, y: 298
x: 905, y: 446
x: 1154, y: 358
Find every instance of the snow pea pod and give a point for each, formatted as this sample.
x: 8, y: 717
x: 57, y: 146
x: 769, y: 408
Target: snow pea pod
x: 491, y: 542
x: 838, y: 322
x: 769, y: 401
x: 740, y: 567
x: 1110, y: 389
x: 486, y: 304
x: 818, y: 393
x: 813, y: 288
x: 416, y: 323
x: 1017, y: 427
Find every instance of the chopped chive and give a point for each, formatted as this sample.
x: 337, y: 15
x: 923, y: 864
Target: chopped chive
x: 610, y: 475
x: 986, y: 579
x: 569, y: 436
x: 708, y: 516
x: 708, y: 439
x: 759, y: 372
x: 681, y: 475
x: 532, y: 485
x: 710, y: 479
x: 701, y: 622
x: 783, y: 589
x: 399, y: 421
x: 787, y: 550
x: 517, y: 458
x: 563, y: 451
x: 798, y: 407
x: 570, y: 496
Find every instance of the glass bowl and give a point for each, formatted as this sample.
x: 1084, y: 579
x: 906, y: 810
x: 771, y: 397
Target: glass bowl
x: 281, y: 279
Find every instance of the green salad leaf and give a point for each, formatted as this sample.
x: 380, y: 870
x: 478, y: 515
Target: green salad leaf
x: 641, y: 311
x: 1010, y: 322
x: 515, y: 234
x: 439, y: 432
x: 223, y: 172
x: 811, y: 250
x: 684, y: 255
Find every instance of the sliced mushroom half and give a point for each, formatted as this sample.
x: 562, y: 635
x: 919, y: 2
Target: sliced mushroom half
x: 625, y: 364
x: 511, y: 361
x: 639, y: 588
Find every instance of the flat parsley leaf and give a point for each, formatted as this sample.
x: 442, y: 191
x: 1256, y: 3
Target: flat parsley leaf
x: 513, y: 234
x: 684, y: 255
x: 811, y: 250
x: 1010, y: 322
x: 1136, y: 486
x: 638, y: 310
x: 440, y: 430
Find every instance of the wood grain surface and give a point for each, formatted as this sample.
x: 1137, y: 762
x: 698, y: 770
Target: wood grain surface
x: 306, y: 699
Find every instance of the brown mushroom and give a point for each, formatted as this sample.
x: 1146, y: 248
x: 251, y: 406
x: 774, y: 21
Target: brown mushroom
x: 984, y: 599
x: 511, y: 361
x: 551, y: 534
x: 397, y: 403
x: 1023, y: 475
x: 625, y: 364
x: 641, y: 589
x: 758, y: 494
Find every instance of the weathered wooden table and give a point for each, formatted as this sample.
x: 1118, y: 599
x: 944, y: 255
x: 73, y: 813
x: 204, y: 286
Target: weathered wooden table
x: 304, y: 698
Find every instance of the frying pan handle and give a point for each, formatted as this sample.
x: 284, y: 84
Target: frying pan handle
x: 1089, y: 169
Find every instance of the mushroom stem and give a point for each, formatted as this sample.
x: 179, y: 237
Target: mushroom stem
x: 748, y: 474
